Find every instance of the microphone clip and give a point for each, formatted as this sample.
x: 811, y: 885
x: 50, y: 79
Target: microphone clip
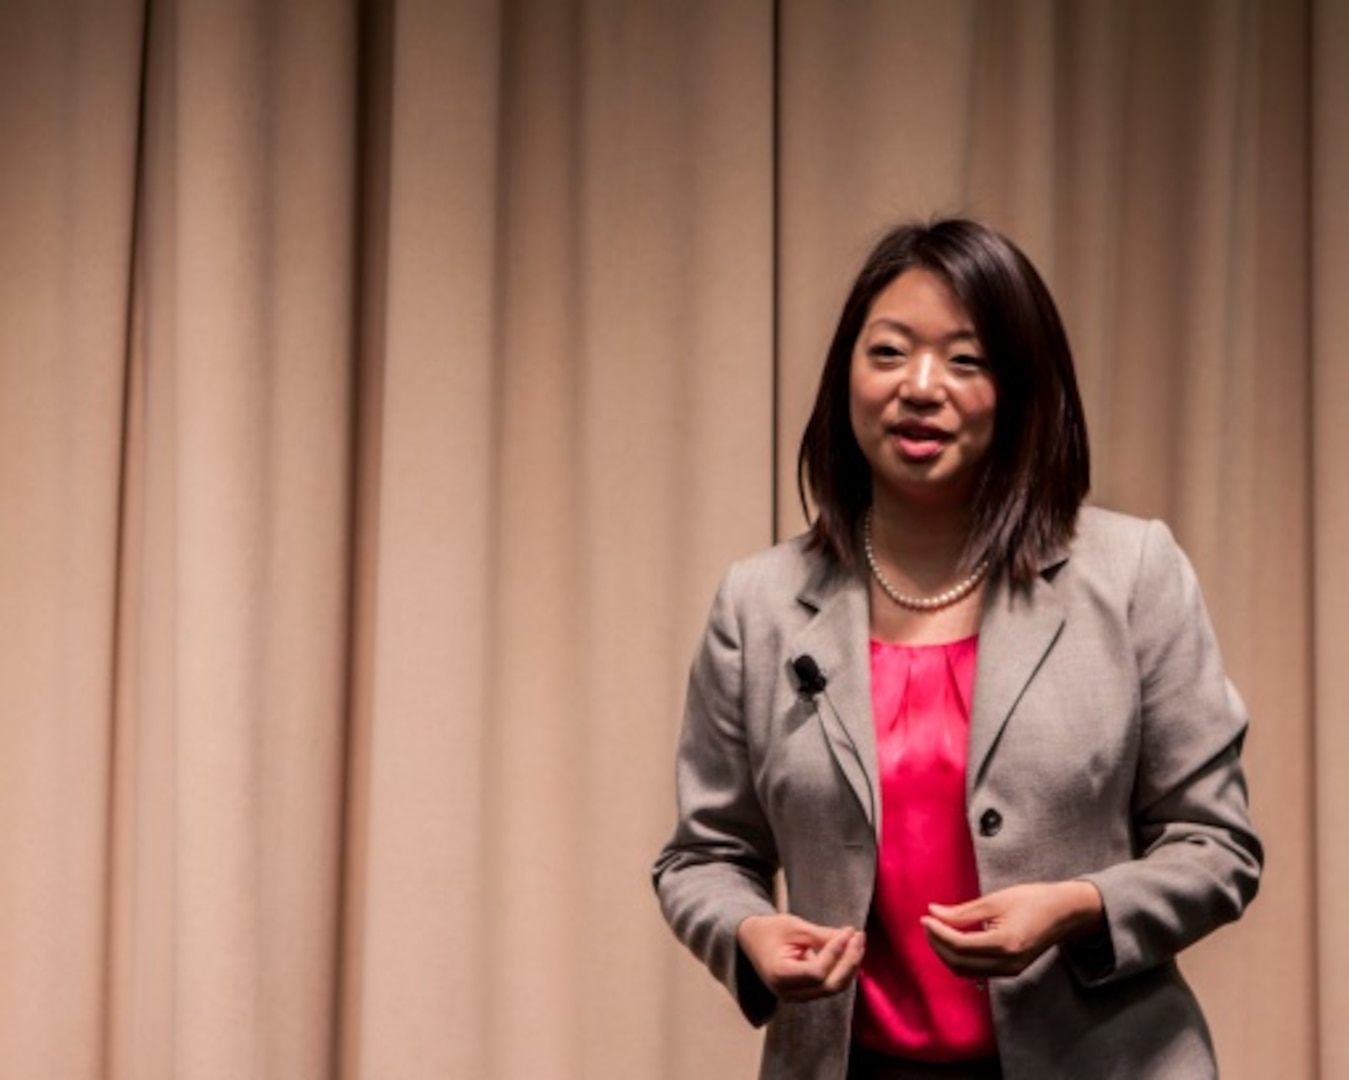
x: 810, y: 680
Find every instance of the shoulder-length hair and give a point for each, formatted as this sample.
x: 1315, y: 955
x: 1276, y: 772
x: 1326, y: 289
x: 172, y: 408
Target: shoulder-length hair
x: 1038, y: 469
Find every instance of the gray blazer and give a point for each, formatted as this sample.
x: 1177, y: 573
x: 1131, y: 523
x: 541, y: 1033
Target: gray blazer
x: 1104, y: 745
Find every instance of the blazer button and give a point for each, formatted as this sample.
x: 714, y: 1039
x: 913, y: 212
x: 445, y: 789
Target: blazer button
x: 990, y: 822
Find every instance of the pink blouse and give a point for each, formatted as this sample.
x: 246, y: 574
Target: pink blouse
x: 909, y: 1003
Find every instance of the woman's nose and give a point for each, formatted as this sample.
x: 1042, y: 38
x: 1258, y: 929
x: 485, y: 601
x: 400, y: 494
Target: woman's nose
x: 922, y: 380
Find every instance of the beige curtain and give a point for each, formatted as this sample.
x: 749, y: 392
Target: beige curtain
x: 385, y: 385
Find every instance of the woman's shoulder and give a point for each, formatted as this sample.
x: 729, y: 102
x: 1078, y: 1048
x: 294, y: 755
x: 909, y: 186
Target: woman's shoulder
x: 777, y: 588
x: 787, y: 564
x: 783, y: 577
x: 1122, y: 546
x: 1100, y: 530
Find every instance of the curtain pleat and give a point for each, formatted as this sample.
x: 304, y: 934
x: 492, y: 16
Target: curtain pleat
x: 574, y: 429
x: 384, y: 387
x: 1325, y: 578
x: 235, y: 600
x: 68, y: 126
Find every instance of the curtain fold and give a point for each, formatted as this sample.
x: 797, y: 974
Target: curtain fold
x: 227, y: 841
x: 68, y: 123
x: 384, y: 387
x: 574, y: 424
x: 1326, y: 577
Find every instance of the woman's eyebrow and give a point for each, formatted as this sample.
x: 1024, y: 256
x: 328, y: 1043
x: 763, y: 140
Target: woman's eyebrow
x: 965, y: 333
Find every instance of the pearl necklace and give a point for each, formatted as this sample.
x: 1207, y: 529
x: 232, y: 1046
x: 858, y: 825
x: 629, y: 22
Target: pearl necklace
x: 944, y: 599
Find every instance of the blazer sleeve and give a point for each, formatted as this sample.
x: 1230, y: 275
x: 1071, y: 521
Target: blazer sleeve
x: 1199, y: 859
x: 718, y: 867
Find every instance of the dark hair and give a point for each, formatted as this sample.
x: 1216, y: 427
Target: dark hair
x: 1038, y: 467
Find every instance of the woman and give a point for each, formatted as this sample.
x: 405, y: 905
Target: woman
x: 984, y: 732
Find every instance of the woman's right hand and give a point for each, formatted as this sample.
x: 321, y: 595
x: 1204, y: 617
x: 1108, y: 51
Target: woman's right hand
x: 799, y: 961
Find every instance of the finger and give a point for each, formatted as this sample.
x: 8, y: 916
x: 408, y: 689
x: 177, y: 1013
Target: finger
x: 972, y: 912
x: 811, y: 969
x: 971, y: 967
x: 994, y: 957
x: 965, y: 940
x: 829, y: 955
x: 828, y: 971
x: 849, y: 963
x: 850, y: 957
x: 966, y: 944
x: 797, y: 981
x: 952, y: 958
x: 947, y: 951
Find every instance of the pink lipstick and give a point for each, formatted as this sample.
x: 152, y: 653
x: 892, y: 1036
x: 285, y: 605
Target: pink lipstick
x: 918, y: 441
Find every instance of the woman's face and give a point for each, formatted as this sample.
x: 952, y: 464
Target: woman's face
x: 921, y: 394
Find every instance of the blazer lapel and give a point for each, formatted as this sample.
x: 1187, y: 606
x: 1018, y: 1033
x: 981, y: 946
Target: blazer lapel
x: 838, y: 638
x: 1019, y: 627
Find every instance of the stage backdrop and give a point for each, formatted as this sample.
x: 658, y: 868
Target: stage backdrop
x: 384, y: 386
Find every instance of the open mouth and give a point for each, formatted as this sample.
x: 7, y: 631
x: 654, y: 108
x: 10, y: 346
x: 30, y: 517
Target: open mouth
x: 918, y: 441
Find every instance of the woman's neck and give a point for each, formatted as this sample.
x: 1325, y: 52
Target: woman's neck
x: 919, y: 551
x: 921, y: 543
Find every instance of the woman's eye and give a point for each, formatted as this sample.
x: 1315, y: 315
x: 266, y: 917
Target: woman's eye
x: 885, y: 352
x: 967, y: 362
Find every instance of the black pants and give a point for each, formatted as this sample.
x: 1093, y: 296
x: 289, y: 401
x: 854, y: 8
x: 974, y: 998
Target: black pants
x: 864, y: 1064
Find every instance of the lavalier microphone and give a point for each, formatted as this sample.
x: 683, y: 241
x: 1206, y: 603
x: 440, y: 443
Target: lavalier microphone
x: 810, y: 680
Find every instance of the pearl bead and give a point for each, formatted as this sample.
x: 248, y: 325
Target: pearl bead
x: 919, y: 603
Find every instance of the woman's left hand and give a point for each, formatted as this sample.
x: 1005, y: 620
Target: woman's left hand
x: 1003, y: 932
